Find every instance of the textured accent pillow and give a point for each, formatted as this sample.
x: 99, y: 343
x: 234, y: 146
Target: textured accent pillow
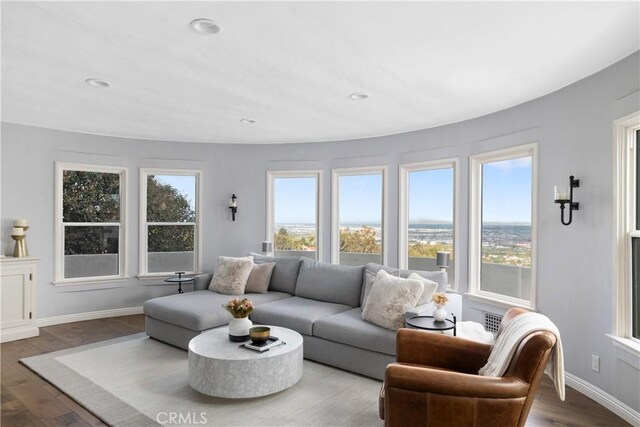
x: 258, y: 281
x: 430, y: 288
x: 389, y: 300
x: 230, y: 277
x: 370, y: 271
x: 440, y: 277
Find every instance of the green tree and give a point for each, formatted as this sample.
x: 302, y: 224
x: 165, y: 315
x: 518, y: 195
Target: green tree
x: 359, y: 240
x: 425, y: 250
x: 286, y: 242
x: 95, y: 197
x: 90, y: 197
x: 166, y: 204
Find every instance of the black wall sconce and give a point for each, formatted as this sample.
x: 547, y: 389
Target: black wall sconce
x: 233, y: 205
x: 564, y: 195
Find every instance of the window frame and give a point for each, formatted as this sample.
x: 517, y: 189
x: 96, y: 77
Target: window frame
x: 270, y: 216
x: 336, y: 173
x: 59, y: 242
x: 403, y: 215
x: 625, y: 146
x: 143, y: 236
x: 475, y: 224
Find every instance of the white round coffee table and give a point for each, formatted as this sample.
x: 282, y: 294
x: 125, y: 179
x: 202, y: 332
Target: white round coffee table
x: 221, y: 368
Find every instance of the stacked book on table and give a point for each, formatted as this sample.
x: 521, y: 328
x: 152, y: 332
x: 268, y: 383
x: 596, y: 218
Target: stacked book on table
x: 264, y: 346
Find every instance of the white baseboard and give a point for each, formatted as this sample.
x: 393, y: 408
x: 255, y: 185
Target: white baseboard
x: 611, y: 403
x: 19, y: 333
x: 91, y: 315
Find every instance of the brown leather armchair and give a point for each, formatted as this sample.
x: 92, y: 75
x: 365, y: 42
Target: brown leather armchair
x: 435, y: 381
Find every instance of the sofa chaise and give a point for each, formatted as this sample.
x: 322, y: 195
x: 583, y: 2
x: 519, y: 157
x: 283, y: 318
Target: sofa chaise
x: 323, y: 302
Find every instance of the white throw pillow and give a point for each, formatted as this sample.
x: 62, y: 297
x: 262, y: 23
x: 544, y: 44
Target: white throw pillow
x: 230, y: 277
x: 370, y: 272
x: 430, y: 288
x: 389, y: 300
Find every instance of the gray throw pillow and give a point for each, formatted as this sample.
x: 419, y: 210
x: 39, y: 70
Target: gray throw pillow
x: 258, y: 281
x: 285, y: 273
x: 230, y: 277
x: 370, y: 271
x: 389, y: 300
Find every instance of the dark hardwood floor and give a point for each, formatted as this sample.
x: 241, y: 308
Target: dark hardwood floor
x: 28, y: 400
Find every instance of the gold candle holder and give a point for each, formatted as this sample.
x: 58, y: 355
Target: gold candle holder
x: 26, y: 250
x: 20, y: 250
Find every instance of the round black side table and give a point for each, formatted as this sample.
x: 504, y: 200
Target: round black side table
x: 428, y: 323
x: 179, y: 280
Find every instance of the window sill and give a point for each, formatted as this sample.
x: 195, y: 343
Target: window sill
x: 496, y: 301
x: 89, y: 281
x: 627, y: 350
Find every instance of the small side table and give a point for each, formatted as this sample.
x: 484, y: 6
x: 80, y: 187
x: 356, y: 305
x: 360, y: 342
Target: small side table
x: 180, y: 280
x: 428, y: 323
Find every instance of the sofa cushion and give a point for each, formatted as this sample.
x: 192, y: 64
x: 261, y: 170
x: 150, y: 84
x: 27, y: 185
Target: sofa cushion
x: 349, y: 328
x: 389, y: 300
x: 370, y: 271
x: 199, y: 310
x: 339, y: 284
x: 295, y: 313
x: 440, y: 277
x: 285, y: 273
x: 260, y: 278
x: 231, y: 275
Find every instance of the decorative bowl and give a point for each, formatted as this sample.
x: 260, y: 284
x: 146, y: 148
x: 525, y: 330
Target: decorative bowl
x: 259, y: 334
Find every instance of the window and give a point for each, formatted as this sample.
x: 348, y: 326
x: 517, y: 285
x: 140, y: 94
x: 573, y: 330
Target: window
x: 170, y: 221
x: 428, y: 218
x: 358, y: 215
x: 90, y: 223
x: 628, y: 228
x: 503, y: 194
x: 293, y: 203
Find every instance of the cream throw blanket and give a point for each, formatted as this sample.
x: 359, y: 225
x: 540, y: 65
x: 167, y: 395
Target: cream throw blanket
x: 508, y: 340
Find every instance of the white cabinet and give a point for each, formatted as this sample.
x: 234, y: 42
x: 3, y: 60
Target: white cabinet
x: 18, y: 298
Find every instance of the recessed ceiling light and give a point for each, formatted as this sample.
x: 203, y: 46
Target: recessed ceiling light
x: 358, y: 95
x: 205, y: 26
x: 247, y: 121
x: 97, y: 83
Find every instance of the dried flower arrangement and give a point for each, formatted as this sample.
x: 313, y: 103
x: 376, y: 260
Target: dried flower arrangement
x: 239, y: 308
x: 440, y: 298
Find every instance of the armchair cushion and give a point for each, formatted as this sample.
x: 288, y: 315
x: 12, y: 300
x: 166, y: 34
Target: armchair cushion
x: 440, y: 351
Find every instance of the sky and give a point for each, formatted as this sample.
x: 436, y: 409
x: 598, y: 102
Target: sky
x: 506, y: 195
x: 360, y: 199
x: 506, y: 191
x: 295, y: 200
x: 431, y: 195
x: 186, y: 185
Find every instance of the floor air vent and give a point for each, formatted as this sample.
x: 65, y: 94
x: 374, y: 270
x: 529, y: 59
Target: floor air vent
x: 492, y: 321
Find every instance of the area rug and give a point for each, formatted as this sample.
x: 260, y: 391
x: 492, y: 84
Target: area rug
x: 137, y: 381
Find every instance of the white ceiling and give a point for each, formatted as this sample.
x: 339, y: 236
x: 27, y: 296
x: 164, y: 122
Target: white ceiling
x: 290, y: 66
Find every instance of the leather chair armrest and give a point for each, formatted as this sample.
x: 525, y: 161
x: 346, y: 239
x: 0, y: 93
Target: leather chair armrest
x: 441, y: 351
x: 426, y: 380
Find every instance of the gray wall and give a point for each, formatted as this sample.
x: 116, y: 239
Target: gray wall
x: 575, y: 264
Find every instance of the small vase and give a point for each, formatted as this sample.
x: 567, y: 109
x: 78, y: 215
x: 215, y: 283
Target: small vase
x: 439, y: 314
x: 239, y: 329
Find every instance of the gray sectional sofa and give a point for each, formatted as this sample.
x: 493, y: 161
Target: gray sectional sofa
x: 320, y: 301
